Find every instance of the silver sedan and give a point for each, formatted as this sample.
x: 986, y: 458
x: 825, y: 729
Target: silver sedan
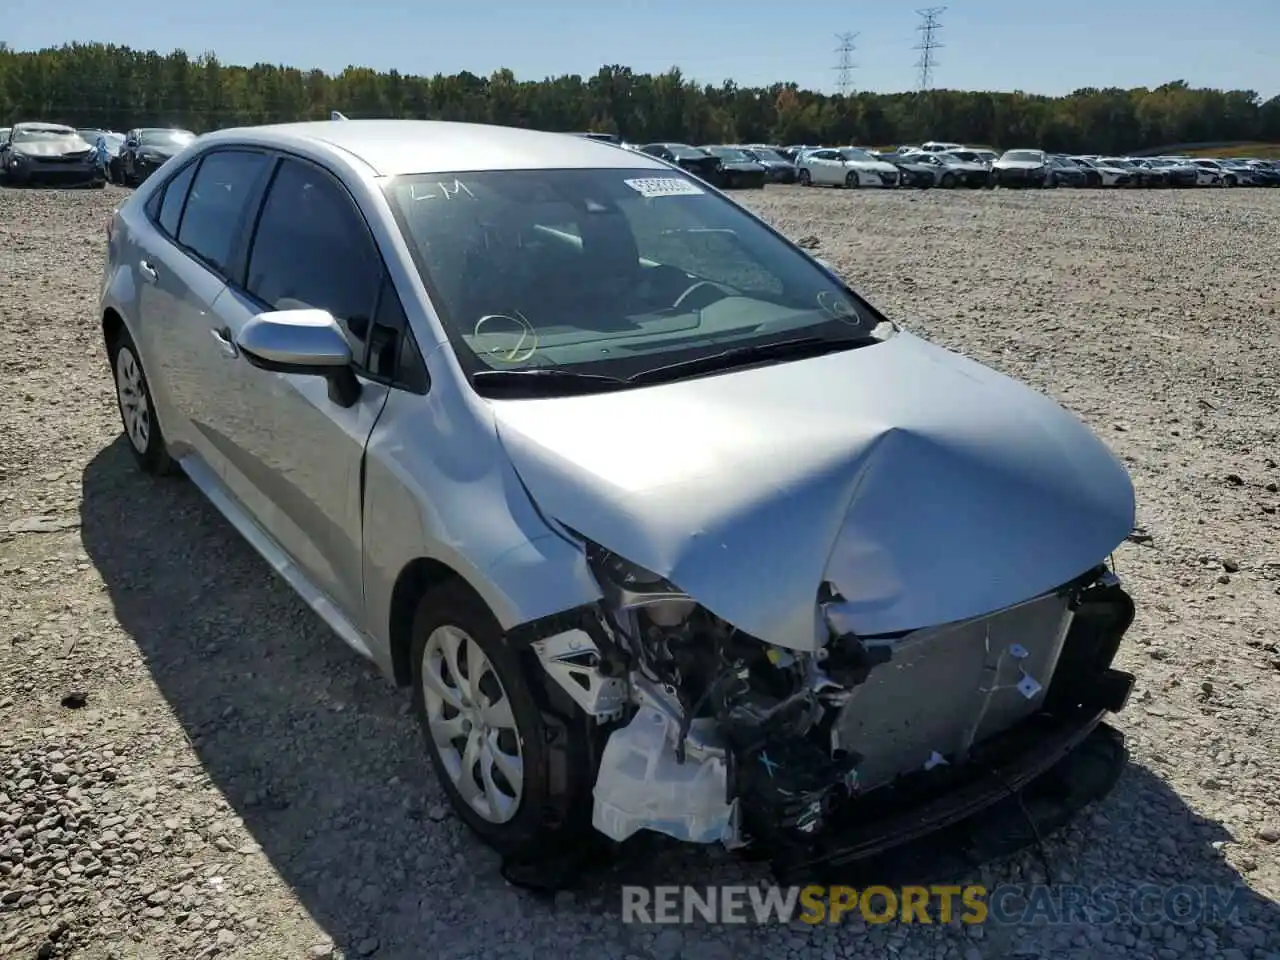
x: 664, y: 525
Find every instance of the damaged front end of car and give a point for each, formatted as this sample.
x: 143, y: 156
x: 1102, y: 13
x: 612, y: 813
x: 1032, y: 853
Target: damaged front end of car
x: 710, y: 735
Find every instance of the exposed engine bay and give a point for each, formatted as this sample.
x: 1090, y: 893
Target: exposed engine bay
x: 715, y: 736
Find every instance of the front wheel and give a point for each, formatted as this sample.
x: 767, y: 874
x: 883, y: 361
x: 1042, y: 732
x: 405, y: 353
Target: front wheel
x: 851, y: 180
x: 948, y: 180
x: 519, y: 784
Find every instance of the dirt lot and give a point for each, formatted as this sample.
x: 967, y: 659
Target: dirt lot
x: 191, y: 765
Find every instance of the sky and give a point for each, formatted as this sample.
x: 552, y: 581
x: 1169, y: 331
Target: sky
x: 1038, y: 46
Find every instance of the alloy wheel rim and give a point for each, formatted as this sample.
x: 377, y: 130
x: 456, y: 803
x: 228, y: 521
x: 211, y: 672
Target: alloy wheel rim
x: 472, y: 725
x: 135, y: 411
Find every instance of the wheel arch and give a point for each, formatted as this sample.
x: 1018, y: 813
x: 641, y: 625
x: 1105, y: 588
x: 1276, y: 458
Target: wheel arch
x: 112, y: 326
x: 413, y: 582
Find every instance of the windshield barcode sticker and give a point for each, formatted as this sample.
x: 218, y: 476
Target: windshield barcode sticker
x: 650, y: 187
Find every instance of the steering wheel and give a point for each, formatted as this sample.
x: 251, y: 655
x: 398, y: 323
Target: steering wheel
x: 719, y: 289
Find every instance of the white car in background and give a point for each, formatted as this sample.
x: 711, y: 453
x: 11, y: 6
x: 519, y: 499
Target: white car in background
x: 845, y: 167
x: 1110, y: 176
x: 1228, y: 175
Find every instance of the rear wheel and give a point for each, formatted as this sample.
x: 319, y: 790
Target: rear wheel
x: 804, y: 178
x: 851, y: 180
x: 137, y: 409
x: 948, y: 180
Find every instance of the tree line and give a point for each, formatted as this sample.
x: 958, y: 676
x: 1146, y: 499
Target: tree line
x: 117, y: 87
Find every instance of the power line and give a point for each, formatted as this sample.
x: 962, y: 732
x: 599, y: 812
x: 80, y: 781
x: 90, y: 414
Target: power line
x: 844, y: 76
x: 928, y: 29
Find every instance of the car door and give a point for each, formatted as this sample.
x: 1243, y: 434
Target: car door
x: 198, y: 221
x: 293, y: 457
x: 829, y: 167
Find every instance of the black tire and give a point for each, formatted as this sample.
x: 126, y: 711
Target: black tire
x: 948, y: 181
x: 851, y: 180
x: 546, y: 814
x: 1230, y: 180
x: 153, y: 455
x: 804, y: 179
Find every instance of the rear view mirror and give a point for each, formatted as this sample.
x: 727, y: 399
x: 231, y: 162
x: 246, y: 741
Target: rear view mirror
x: 306, y: 342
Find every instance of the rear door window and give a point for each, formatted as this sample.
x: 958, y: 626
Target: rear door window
x: 175, y: 194
x: 219, y: 200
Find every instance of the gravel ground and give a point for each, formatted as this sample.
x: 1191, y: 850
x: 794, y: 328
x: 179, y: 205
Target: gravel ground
x: 191, y: 765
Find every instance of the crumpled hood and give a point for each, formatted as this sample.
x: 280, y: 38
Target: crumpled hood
x: 925, y: 487
x: 67, y: 147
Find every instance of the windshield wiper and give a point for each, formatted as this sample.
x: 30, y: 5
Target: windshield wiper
x: 540, y: 379
x: 796, y: 348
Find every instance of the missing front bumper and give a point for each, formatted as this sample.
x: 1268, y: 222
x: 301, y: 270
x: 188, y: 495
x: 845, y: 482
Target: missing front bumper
x: 1019, y: 787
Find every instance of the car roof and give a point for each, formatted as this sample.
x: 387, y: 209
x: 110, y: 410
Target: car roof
x: 40, y: 125
x: 394, y: 147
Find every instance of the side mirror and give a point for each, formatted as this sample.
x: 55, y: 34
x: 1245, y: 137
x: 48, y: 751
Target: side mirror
x: 307, y: 342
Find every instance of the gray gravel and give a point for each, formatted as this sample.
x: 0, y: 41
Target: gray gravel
x: 191, y: 766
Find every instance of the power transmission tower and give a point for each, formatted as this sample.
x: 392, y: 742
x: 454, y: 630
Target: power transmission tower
x: 844, y: 75
x: 928, y: 29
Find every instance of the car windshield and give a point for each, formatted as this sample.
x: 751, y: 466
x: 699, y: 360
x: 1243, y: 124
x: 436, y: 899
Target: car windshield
x: 853, y: 153
x: 728, y: 153
x: 608, y: 272
x: 1023, y: 156
x: 771, y: 156
x: 1117, y: 162
x: 165, y: 138
x: 37, y: 134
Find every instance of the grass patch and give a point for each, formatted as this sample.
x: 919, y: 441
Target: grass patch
x: 1256, y: 151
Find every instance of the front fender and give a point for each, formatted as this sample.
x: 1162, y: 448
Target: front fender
x: 438, y: 485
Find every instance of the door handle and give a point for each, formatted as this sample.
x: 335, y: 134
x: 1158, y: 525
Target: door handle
x: 225, y: 343
x: 149, y: 273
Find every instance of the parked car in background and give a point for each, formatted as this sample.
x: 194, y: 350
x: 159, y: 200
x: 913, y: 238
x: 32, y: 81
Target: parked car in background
x: 778, y: 167
x: 914, y: 170
x: 1108, y: 175
x: 692, y: 159
x: 1092, y: 177
x: 1064, y: 173
x: 1244, y: 174
x: 1181, y: 173
x: 940, y: 146
x: 970, y: 155
x: 48, y: 154
x: 1139, y: 174
x: 1266, y: 173
x: 956, y: 171
x: 146, y: 149
x: 1021, y: 168
x: 795, y: 151
x: 737, y: 170
x: 861, y: 592
x: 845, y: 167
